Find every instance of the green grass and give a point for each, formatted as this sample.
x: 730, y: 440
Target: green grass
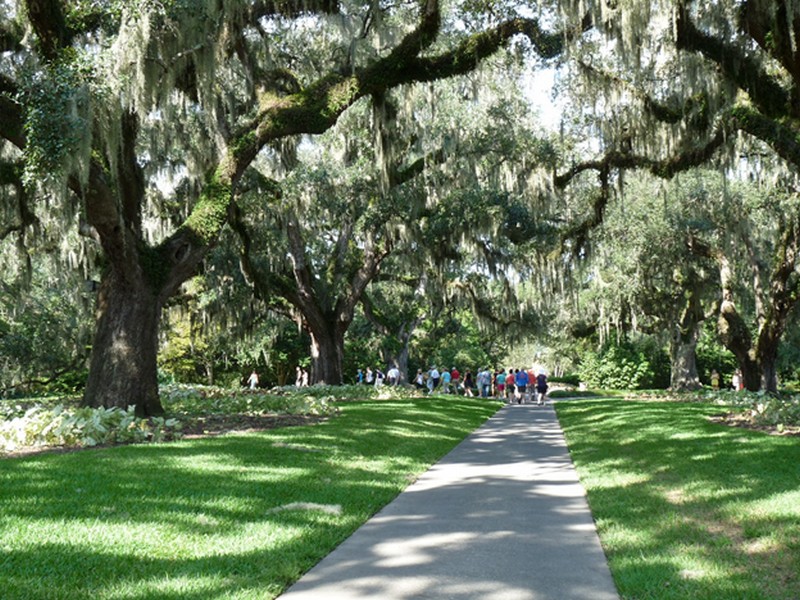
x: 213, y: 517
x: 687, y: 508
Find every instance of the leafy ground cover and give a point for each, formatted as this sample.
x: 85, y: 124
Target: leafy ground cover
x: 42, y: 424
x: 240, y: 515
x: 686, y: 507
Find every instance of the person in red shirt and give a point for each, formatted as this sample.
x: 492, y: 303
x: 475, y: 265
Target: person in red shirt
x: 455, y: 378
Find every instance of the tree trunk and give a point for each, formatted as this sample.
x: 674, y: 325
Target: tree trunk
x: 401, y: 362
x: 398, y: 356
x: 123, y: 365
x: 327, y: 357
x: 683, y: 345
x: 767, y: 361
x: 683, y: 362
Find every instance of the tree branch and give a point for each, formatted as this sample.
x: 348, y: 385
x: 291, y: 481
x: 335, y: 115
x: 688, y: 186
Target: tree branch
x: 770, y: 25
x: 770, y: 97
x: 317, y: 107
x: 47, y: 19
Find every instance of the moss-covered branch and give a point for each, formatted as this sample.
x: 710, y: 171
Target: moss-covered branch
x: 294, y: 8
x: 781, y: 138
x: 764, y: 90
x: 665, y: 168
x: 317, y: 107
x: 774, y: 30
x: 670, y: 113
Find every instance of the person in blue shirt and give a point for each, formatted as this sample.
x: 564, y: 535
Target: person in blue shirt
x: 521, y: 380
x: 446, y: 381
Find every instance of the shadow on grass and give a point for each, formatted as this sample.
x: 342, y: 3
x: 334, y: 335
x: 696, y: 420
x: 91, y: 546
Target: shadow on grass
x: 202, y: 518
x: 687, y: 508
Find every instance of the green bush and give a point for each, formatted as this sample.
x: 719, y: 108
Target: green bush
x: 572, y: 379
x: 616, y: 366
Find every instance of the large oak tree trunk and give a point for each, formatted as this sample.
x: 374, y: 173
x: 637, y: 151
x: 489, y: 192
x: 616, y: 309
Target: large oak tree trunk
x: 768, y: 361
x: 736, y: 338
x: 123, y: 364
x: 683, y: 345
x: 683, y: 362
x: 327, y: 357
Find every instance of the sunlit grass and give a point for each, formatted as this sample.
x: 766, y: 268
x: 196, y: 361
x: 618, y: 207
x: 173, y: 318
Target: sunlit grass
x: 236, y: 516
x: 686, y: 508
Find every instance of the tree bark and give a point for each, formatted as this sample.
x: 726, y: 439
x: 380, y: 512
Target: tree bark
x: 735, y: 337
x: 327, y: 356
x: 768, y: 361
x: 683, y: 360
x: 123, y: 364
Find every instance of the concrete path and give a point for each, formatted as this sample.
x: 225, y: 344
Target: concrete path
x: 502, y: 517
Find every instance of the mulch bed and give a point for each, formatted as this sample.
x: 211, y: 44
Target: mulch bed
x: 211, y: 425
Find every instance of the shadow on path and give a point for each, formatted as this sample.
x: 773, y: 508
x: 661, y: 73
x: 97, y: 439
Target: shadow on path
x: 502, y: 516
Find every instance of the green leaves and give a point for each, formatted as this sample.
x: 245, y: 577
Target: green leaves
x: 61, y: 426
x: 57, y: 119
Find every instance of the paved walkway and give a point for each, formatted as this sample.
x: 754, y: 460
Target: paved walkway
x: 502, y: 517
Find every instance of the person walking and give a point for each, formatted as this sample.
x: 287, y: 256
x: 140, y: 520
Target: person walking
x: 715, y: 380
x: 253, y: 380
x: 433, y: 378
x: 469, y: 383
x: 446, y: 378
x: 541, y: 387
x: 419, y: 380
x: 521, y: 380
x: 455, y: 379
x: 500, y: 382
x: 736, y: 380
x: 484, y: 381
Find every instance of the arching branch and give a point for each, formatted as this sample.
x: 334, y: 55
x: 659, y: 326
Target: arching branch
x: 775, y: 30
x: 749, y: 75
x: 318, y: 106
x: 665, y: 168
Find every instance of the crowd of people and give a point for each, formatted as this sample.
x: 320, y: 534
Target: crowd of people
x: 512, y: 385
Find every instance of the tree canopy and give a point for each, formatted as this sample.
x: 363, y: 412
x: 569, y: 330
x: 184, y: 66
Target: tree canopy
x: 133, y: 133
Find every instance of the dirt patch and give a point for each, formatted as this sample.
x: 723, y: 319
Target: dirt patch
x: 221, y: 424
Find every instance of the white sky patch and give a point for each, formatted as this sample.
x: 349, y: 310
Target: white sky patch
x: 537, y: 85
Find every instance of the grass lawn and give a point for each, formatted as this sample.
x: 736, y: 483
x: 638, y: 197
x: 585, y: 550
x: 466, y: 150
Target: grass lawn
x: 234, y: 516
x: 686, y: 508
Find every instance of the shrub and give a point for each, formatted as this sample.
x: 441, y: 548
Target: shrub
x: 761, y: 408
x: 41, y: 426
x: 571, y: 379
x: 616, y: 366
x: 196, y: 399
